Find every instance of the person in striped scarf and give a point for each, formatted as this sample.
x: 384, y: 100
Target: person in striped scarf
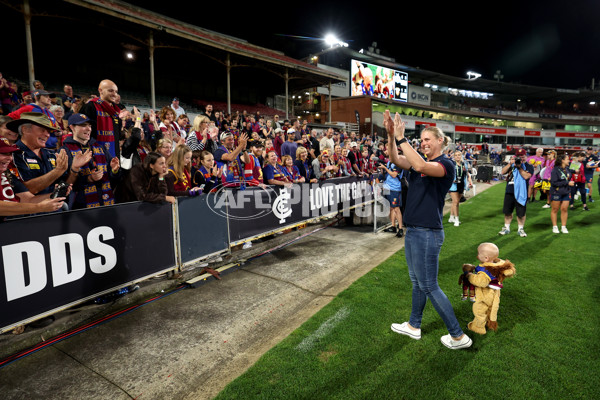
x: 104, y: 115
x: 96, y: 179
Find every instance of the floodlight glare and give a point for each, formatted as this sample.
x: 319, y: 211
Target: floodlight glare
x: 473, y: 75
x: 330, y: 39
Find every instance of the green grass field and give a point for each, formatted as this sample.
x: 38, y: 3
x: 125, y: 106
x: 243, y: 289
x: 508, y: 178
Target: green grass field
x: 547, y: 345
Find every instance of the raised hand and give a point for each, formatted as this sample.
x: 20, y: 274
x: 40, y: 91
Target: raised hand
x: 81, y: 159
x: 115, y: 164
x: 399, y: 127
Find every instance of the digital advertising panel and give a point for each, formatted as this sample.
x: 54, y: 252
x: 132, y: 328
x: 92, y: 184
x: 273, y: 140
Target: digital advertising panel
x: 377, y: 81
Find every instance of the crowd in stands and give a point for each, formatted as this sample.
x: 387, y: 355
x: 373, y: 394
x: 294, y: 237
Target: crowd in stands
x: 108, y: 153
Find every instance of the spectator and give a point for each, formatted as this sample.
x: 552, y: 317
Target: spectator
x: 105, y: 118
x: 183, y: 124
x: 536, y: 162
x: 461, y: 177
x: 327, y: 141
x: 6, y: 94
x: 279, y: 140
x: 164, y: 147
x: 76, y: 105
x: 577, y: 169
x: 39, y: 167
x: 289, y: 147
x: 276, y: 123
x: 304, y: 165
x: 168, y: 128
x: 256, y: 160
x: 146, y: 182
x: 42, y: 105
x: 546, y: 175
x: 95, y: 181
x: 429, y: 180
x: 67, y: 98
x: 515, y: 196
x: 177, y: 109
x: 355, y: 157
x: 15, y: 199
x: 273, y: 172
x: 290, y: 170
x: 201, y: 137
x: 208, y: 111
x: 314, y: 144
x: 59, y: 113
x: 232, y: 157
x: 178, y: 178
x: 268, y: 131
x: 590, y: 164
x: 6, y: 133
x: 367, y: 164
x: 560, y: 192
x: 324, y: 166
x: 347, y: 165
x: 135, y: 146
x: 392, y: 189
x: 207, y: 175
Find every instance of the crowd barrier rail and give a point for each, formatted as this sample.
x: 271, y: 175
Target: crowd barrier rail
x: 56, y: 261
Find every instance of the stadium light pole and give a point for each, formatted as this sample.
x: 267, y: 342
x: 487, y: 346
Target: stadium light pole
x: 27, y: 15
x: 228, y: 69
x: 152, y: 87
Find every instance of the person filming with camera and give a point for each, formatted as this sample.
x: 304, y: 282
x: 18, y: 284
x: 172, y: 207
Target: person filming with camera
x: 515, y: 195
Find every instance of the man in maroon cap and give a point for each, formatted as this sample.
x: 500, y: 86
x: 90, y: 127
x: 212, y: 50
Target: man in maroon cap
x: 515, y: 197
x: 15, y: 199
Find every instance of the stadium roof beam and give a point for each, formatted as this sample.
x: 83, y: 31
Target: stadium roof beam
x: 302, y: 71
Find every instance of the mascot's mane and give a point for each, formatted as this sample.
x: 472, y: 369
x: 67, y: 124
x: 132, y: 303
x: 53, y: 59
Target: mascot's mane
x: 500, y: 269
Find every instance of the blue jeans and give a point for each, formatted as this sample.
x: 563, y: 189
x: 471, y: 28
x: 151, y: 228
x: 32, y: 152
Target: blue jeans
x: 422, y: 247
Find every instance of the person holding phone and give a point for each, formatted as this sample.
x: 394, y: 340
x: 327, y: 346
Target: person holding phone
x: 15, y: 199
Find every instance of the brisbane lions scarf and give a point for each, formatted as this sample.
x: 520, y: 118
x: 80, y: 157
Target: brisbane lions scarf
x: 107, y: 120
x: 98, y: 193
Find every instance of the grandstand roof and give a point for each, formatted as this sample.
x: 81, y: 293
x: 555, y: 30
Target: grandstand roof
x: 302, y: 73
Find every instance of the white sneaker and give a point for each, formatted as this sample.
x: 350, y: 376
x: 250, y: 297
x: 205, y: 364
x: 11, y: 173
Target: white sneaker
x: 522, y: 233
x: 404, y: 329
x: 451, y: 219
x: 456, y: 222
x: 504, y: 231
x: 456, y: 344
x: 546, y: 205
x: 564, y: 229
x: 555, y: 229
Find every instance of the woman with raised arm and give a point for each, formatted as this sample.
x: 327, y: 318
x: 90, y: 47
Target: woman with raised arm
x: 429, y: 179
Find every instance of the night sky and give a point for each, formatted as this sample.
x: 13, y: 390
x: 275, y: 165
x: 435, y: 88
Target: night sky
x: 533, y: 42
x: 542, y: 43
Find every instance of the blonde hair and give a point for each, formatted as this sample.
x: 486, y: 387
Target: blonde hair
x: 199, y: 120
x: 299, y: 151
x: 438, y: 133
x: 177, y: 160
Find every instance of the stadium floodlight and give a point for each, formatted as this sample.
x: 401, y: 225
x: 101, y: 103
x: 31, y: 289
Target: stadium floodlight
x: 330, y: 39
x: 473, y: 75
x: 333, y: 41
